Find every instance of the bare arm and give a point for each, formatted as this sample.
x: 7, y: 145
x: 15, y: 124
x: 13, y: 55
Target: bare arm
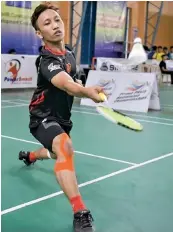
x: 163, y: 69
x: 154, y: 56
x: 64, y: 82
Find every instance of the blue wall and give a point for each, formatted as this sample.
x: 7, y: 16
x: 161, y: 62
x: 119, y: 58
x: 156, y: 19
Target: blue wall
x: 88, y: 34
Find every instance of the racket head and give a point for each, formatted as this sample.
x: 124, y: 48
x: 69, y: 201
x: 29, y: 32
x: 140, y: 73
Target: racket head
x: 119, y: 118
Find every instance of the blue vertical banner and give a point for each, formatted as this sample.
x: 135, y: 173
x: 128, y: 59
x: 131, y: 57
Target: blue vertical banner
x: 16, y: 30
x: 110, y: 27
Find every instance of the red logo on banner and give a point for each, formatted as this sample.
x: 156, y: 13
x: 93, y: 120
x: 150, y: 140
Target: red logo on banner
x: 13, y: 67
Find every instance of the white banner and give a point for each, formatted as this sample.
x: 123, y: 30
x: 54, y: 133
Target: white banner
x: 108, y: 64
x: 126, y: 91
x: 154, y: 103
x: 115, y: 64
x: 18, y: 71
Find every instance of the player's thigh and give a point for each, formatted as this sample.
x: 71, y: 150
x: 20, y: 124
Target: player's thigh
x: 46, y: 132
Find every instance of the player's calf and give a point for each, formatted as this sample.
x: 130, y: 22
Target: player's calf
x: 65, y: 173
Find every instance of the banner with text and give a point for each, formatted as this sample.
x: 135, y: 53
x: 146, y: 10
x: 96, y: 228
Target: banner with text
x: 110, y: 27
x: 126, y: 91
x: 109, y: 64
x: 16, y: 30
x: 18, y: 71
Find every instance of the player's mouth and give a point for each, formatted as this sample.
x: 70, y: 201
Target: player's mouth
x: 58, y: 33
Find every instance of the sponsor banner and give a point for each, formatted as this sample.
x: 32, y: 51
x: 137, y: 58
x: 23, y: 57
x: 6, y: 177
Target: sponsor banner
x: 169, y: 65
x: 109, y: 64
x: 126, y: 91
x: 154, y: 103
x: 120, y: 64
x: 115, y: 64
x: 18, y: 71
x: 110, y: 27
x: 16, y: 30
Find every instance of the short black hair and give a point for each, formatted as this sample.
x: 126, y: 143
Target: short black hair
x: 38, y: 10
x: 159, y: 46
x: 146, y: 48
x: 171, y: 47
x: 165, y: 48
x: 40, y: 48
x: 154, y: 48
x: 12, y: 51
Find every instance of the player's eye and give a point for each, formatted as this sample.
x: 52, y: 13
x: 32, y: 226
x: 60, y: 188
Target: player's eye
x: 46, y: 23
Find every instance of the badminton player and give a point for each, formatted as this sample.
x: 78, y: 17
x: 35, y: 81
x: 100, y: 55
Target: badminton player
x: 50, y: 110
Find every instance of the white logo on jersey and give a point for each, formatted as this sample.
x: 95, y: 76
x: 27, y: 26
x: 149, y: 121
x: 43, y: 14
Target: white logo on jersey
x: 52, y: 67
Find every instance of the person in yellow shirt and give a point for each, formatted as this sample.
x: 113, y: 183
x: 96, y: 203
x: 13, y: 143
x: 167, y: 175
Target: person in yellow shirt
x: 158, y: 55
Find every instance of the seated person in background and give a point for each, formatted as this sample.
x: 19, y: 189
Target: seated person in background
x: 163, y: 68
x: 152, y: 52
x: 165, y: 50
x: 158, y: 55
x: 171, y: 53
x: 12, y: 51
x: 147, y: 50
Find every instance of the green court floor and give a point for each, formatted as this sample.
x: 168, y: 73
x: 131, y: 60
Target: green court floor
x: 125, y: 177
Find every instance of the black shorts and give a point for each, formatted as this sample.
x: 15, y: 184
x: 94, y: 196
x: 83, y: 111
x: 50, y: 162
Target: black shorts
x: 47, y: 130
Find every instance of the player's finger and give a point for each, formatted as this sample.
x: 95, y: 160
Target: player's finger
x: 99, y: 89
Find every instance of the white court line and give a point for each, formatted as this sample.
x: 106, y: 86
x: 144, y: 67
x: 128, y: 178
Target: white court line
x: 166, y: 105
x: 16, y: 99
x: 140, y: 120
x: 102, y: 157
x: 13, y: 102
x: 9, y: 210
x: 90, y: 113
x: 154, y: 122
x: 130, y: 114
x: 78, y: 152
x: 145, y: 116
x: 93, y: 110
x: 3, y: 107
x: 5, y: 100
x: 27, y: 101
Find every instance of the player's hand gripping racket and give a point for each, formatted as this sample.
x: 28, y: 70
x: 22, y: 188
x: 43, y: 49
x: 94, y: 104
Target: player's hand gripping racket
x: 116, y: 116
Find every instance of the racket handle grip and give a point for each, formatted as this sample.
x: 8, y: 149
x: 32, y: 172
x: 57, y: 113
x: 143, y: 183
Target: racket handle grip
x: 103, y: 97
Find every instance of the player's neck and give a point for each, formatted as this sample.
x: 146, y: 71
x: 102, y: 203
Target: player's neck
x: 57, y: 47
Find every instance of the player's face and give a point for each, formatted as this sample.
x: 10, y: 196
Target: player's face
x: 51, y: 26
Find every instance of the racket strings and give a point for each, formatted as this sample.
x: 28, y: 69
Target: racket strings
x: 119, y: 118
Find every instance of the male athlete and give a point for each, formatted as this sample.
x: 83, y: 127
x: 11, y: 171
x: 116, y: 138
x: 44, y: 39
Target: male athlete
x: 50, y: 109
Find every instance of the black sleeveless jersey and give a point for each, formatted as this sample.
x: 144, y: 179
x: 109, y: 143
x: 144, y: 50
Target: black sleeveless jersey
x: 49, y: 102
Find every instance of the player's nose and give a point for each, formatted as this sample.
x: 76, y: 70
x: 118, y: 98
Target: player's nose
x: 55, y: 25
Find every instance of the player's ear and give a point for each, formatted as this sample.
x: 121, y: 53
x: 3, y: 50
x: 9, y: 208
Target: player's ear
x: 38, y: 33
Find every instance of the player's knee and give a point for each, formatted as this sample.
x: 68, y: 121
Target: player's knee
x: 64, y: 149
x: 68, y: 147
x: 62, y: 146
